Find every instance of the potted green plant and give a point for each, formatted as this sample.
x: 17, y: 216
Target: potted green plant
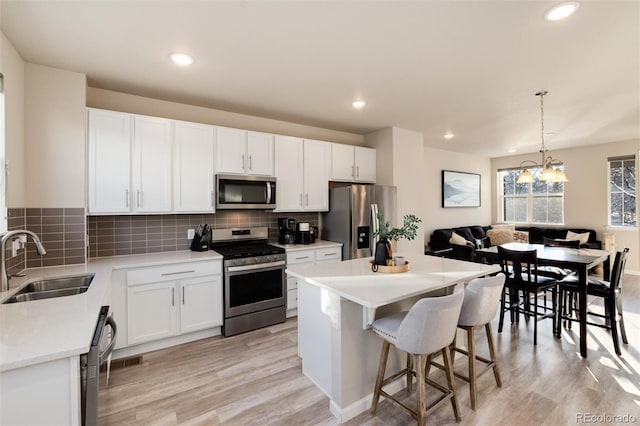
x: 408, y: 230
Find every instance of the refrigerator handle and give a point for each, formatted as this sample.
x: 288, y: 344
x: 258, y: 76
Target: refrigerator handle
x: 375, y: 227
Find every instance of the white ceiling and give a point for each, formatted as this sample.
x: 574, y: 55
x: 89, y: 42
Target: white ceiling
x: 471, y: 67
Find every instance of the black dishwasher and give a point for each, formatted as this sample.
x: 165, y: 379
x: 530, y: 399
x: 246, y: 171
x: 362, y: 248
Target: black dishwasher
x: 90, y: 366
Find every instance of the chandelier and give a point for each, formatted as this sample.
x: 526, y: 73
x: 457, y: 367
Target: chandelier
x: 549, y: 173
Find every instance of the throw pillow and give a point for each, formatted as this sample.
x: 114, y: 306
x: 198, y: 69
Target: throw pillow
x: 458, y: 240
x: 521, y: 237
x: 511, y: 226
x: 500, y: 236
x: 583, y: 238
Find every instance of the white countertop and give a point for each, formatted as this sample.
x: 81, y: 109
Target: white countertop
x: 45, y: 330
x: 318, y: 244
x: 354, y: 280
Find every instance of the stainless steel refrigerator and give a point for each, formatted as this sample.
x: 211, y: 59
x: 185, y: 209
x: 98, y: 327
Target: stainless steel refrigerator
x: 351, y: 217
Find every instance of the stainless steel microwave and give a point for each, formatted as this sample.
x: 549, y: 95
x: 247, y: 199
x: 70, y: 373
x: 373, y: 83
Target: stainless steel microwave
x: 245, y: 192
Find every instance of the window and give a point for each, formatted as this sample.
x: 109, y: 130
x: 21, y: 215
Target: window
x: 622, y: 191
x: 538, y: 202
x: 3, y: 167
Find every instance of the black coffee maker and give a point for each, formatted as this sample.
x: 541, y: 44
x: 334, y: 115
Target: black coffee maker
x: 287, y: 230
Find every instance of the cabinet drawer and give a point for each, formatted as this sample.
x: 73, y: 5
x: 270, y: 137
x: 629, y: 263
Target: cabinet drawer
x: 300, y: 256
x: 173, y: 272
x: 329, y: 254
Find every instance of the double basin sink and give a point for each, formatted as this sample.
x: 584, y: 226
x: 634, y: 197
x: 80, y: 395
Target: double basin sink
x: 52, y: 287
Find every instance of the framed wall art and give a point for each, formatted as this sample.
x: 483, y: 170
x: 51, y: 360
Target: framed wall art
x: 460, y: 189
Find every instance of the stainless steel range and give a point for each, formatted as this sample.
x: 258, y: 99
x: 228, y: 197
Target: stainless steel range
x: 254, y: 279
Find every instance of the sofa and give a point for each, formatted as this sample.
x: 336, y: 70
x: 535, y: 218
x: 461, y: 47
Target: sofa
x: 475, y: 237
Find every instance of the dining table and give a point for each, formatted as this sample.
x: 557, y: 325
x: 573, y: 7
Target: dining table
x: 580, y: 260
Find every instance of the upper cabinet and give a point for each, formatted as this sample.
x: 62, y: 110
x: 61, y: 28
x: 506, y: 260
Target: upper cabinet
x: 151, y: 171
x: 244, y: 152
x: 353, y: 163
x: 302, y: 172
x: 193, y: 168
x: 109, y: 162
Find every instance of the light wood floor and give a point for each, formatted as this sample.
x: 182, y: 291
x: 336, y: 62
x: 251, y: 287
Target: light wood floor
x: 256, y: 379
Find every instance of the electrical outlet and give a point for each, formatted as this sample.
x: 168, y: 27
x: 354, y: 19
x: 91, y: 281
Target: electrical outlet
x: 190, y: 234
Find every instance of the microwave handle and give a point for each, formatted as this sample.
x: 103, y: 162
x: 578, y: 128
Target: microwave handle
x: 268, y: 192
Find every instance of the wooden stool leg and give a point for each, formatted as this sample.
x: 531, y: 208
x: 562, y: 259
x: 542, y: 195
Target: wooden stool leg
x: 452, y: 386
x: 419, y: 363
x: 409, y: 373
x: 473, y: 386
x: 383, y: 365
x: 492, y: 354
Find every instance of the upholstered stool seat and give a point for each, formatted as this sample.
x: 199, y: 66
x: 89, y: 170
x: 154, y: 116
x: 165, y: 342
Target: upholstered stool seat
x: 428, y: 327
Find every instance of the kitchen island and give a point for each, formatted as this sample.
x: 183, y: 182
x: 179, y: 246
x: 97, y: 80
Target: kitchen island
x: 338, y: 302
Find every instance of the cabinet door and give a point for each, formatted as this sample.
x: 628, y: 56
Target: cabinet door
x: 317, y: 156
x: 230, y: 150
x: 289, y: 173
x: 193, y: 175
x: 365, y: 164
x: 259, y: 154
x: 152, y: 164
x: 201, y: 303
x: 109, y: 162
x: 342, y: 162
x: 151, y: 312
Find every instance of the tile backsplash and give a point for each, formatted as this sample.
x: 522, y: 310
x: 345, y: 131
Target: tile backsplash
x: 61, y: 230
x: 122, y: 235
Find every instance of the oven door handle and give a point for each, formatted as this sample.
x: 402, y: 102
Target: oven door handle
x: 279, y: 263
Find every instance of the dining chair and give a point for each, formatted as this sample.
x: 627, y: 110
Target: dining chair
x: 428, y: 327
x: 481, y: 301
x: 611, y: 294
x: 522, y: 279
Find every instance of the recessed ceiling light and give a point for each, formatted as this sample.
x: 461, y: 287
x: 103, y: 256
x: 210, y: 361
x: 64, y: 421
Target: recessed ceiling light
x: 512, y: 150
x: 358, y: 104
x: 449, y: 135
x: 182, y: 58
x: 561, y: 11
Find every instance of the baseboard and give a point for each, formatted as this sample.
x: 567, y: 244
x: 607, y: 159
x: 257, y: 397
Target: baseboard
x: 142, y: 348
x: 363, y: 404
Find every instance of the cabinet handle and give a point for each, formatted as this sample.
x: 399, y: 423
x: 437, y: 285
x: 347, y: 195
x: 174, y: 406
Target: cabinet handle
x: 126, y: 199
x: 213, y: 201
x: 242, y: 156
x: 307, y: 199
x: 250, y: 166
x: 176, y: 273
x: 301, y: 204
x: 173, y: 297
x: 353, y: 173
x: 138, y: 198
x: 303, y: 257
x: 183, y: 295
x: 330, y: 254
x: 357, y: 171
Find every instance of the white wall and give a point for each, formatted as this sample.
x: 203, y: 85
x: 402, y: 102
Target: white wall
x: 436, y: 216
x: 55, y: 123
x: 12, y: 67
x: 382, y: 141
x: 105, y: 99
x: 586, y: 196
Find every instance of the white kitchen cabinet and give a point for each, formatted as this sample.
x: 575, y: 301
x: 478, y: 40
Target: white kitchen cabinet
x: 109, y: 162
x: 243, y: 152
x: 193, y: 168
x: 170, y: 300
x: 302, y: 170
x: 151, y: 312
x: 309, y: 256
x: 353, y: 163
x: 151, y: 164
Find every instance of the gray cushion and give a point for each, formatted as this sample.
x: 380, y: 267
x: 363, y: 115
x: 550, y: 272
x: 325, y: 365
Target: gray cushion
x: 481, y: 298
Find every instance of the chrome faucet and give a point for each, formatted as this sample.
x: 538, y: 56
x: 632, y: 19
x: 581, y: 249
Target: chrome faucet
x: 4, y: 275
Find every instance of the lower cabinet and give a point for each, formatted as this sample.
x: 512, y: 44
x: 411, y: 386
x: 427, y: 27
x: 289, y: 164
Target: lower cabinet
x: 159, y: 309
x: 307, y: 256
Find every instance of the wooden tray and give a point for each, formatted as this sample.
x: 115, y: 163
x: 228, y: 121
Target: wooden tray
x: 392, y: 269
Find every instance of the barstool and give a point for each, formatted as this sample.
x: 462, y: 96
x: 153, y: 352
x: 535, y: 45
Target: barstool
x: 428, y: 327
x: 481, y: 300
